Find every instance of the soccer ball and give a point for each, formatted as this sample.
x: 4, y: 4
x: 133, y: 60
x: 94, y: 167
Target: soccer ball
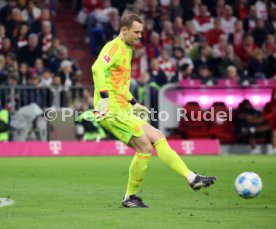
x: 248, y: 185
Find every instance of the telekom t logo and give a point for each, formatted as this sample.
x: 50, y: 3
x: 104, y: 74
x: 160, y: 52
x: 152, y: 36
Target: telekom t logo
x: 120, y: 147
x: 55, y: 147
x: 188, y: 147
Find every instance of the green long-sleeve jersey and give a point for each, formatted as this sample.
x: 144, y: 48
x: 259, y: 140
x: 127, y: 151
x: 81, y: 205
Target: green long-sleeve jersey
x: 112, y: 72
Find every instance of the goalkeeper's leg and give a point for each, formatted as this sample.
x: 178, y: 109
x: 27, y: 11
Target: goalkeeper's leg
x: 137, y: 169
x: 171, y: 158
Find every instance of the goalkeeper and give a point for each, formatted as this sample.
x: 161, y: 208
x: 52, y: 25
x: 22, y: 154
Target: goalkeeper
x: 115, y: 110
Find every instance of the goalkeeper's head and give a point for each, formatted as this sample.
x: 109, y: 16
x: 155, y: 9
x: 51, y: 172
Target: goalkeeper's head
x: 131, y: 27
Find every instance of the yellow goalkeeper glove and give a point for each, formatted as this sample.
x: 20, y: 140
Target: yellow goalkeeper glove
x: 140, y: 110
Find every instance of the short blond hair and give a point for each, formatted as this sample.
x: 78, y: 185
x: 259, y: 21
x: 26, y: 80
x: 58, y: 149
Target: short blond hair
x: 128, y: 19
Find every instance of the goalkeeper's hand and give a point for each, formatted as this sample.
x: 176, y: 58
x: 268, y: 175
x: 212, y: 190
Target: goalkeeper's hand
x: 139, y: 110
x: 101, y: 109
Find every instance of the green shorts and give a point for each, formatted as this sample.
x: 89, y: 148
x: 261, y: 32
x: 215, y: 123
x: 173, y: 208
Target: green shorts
x: 124, y: 126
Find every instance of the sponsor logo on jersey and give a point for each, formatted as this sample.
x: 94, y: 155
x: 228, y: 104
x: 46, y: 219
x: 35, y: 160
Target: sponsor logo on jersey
x: 107, y: 59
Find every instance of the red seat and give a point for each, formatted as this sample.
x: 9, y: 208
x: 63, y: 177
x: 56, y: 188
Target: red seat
x: 193, y: 125
x: 220, y: 128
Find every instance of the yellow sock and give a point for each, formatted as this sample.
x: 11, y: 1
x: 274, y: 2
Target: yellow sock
x: 171, y: 158
x: 137, y: 171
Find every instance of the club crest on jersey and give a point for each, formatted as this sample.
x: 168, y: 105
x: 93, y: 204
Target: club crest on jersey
x: 107, y: 59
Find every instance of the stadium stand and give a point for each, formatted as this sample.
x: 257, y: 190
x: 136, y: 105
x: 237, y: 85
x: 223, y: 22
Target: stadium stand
x: 46, y: 52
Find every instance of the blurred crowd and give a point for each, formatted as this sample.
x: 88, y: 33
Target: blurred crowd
x: 197, y: 39
x: 30, y: 52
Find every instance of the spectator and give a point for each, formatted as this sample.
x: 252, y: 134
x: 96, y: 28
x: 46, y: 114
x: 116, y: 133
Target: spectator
x: 59, y: 96
x: 3, y: 71
x: 195, y: 8
x: 236, y: 38
x: 249, y: 22
x: 12, y: 98
x: 228, y: 20
x: 271, y: 65
x: 136, y: 7
x: 257, y: 65
x: 31, y: 12
x: 92, y: 5
x: 139, y: 61
x: 179, y: 27
x: 164, y: 4
x: 261, y: 9
x: 46, y: 79
x: 217, y: 10
x: 55, y: 45
x: 203, y: 22
x: 184, y: 72
x: 46, y: 40
x: 230, y: 59
x: 35, y: 93
x: 24, y: 74
x: 21, y: 39
x: 167, y: 64
x: 214, y: 34
x: 259, y: 33
x: 7, y: 48
x: 250, y: 124
x: 153, y: 48
x: 111, y: 28
x: 146, y: 35
x: 66, y: 74
x: 271, y: 22
x: 156, y: 73
x: 6, y: 11
x: 219, y: 48
x: 269, y: 45
x: 232, y: 73
x: 241, y: 9
x: 189, y: 37
x: 167, y: 35
x: 246, y: 50
x: 204, y: 58
x: 54, y: 6
x: 175, y: 10
x: 11, y: 63
x: 205, y: 75
x: 62, y: 54
x: 98, y: 18
x: 153, y: 10
x: 38, y: 68
x: 181, y: 58
x: 12, y: 80
x: 2, y: 34
x: 36, y: 26
x: 14, y: 23
x: 30, y: 52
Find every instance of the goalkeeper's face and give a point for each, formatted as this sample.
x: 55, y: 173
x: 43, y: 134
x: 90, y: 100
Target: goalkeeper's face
x: 133, y: 34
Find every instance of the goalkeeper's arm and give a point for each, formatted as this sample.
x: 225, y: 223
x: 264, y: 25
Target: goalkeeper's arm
x: 104, y: 61
x: 99, y: 82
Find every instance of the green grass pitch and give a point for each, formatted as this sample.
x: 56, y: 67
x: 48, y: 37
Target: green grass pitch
x: 86, y: 192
